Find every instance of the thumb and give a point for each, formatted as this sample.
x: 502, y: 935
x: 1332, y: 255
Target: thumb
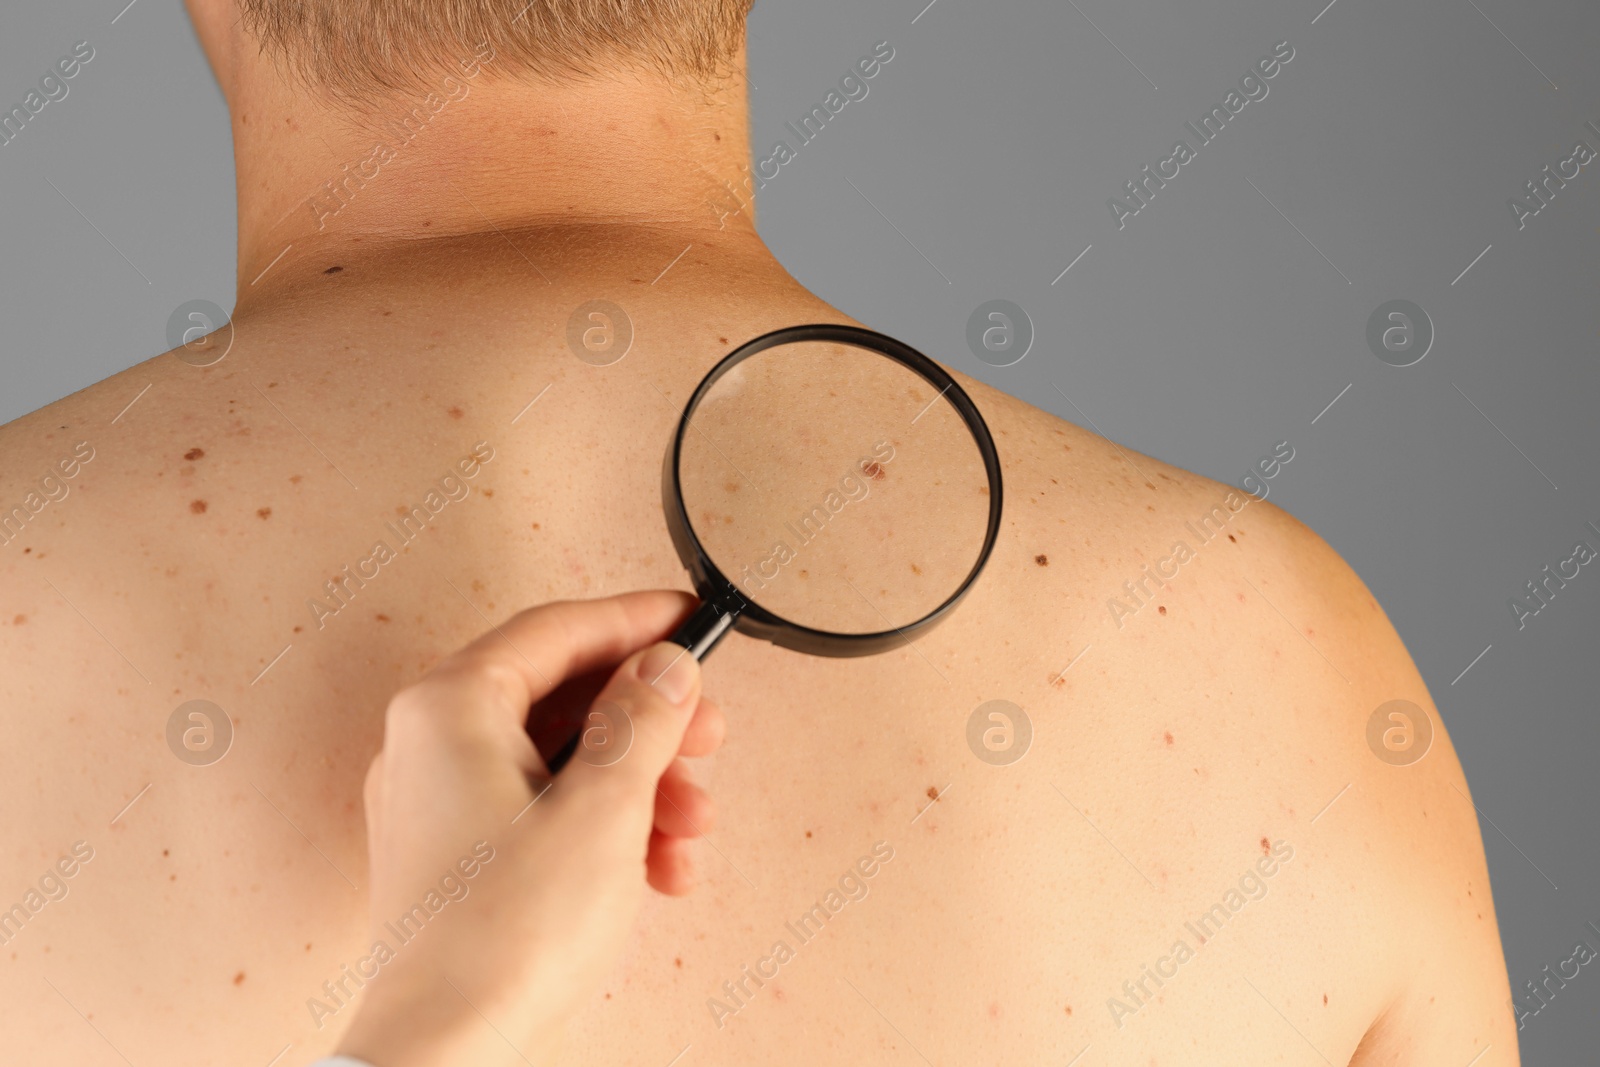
x: 635, y: 727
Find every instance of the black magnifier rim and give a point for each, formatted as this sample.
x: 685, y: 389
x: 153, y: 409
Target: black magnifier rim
x: 752, y: 619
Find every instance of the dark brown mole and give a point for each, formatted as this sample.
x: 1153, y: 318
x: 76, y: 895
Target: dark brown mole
x: 455, y: 413
x: 194, y: 454
x: 297, y: 629
x: 197, y: 506
x: 808, y: 833
x: 1324, y: 1000
x: 1161, y: 608
x: 1266, y: 846
x: 915, y: 569
x: 873, y: 471
x: 166, y: 852
x: 1232, y: 538
x: 333, y: 270
x: 263, y: 513
x: 238, y: 979
x: 933, y: 792
x: 722, y: 340
x: 1042, y: 560
x: 381, y: 617
x: 488, y: 492
x: 1149, y: 485
x: 678, y: 961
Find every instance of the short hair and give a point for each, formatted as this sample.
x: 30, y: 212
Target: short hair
x: 362, y: 48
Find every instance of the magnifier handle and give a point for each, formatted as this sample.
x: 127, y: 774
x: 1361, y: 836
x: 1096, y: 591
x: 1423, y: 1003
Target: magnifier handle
x: 709, y: 624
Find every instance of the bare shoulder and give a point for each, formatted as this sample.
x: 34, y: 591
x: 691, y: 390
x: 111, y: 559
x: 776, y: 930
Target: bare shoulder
x: 46, y: 453
x: 1198, y: 598
x: 48, y: 450
x: 86, y: 446
x: 1418, y: 830
x: 81, y: 498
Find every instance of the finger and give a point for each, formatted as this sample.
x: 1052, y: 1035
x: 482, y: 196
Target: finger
x: 650, y: 698
x: 372, y: 796
x: 518, y: 663
x: 683, y: 809
x: 706, y: 730
x: 669, y: 868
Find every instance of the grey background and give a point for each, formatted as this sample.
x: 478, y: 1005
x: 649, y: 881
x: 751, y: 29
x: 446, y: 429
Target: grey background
x: 1204, y: 332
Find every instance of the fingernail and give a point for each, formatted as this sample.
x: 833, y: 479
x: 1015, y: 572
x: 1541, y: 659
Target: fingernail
x: 670, y: 669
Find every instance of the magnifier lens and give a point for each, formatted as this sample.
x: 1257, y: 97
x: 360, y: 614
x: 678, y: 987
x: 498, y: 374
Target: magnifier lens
x: 835, y: 487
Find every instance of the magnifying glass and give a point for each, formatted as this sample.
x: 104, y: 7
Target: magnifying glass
x: 830, y: 490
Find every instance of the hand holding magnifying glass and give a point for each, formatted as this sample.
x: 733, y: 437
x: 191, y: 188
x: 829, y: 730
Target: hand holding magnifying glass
x: 830, y: 490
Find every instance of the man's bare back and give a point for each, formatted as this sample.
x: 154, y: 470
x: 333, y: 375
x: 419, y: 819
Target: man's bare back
x: 1197, y: 859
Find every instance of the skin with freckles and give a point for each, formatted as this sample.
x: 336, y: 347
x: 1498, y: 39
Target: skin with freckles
x: 422, y: 333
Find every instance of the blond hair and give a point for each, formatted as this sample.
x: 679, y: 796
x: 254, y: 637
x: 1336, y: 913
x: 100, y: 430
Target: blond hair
x: 360, y: 48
